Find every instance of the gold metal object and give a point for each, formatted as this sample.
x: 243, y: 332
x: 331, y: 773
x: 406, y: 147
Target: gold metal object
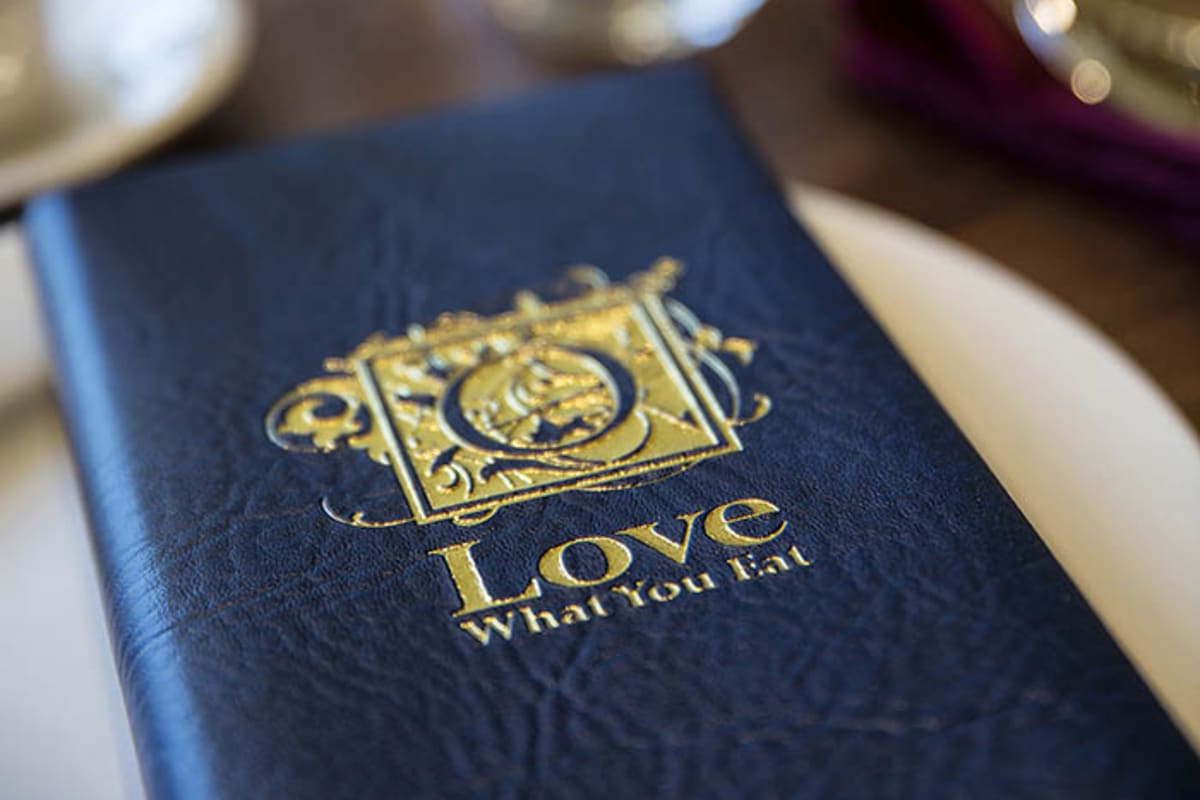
x: 603, y: 390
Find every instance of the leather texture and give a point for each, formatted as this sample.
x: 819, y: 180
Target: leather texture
x: 933, y: 649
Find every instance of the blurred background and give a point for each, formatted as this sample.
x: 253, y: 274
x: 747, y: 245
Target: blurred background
x: 840, y: 94
x: 1056, y: 135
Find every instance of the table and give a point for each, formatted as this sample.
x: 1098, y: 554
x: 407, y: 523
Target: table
x: 327, y: 64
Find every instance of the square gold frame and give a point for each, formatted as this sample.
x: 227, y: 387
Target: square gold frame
x: 670, y: 350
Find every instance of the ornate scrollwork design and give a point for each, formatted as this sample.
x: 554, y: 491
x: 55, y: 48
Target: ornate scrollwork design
x: 324, y: 414
x: 605, y: 389
x: 705, y: 345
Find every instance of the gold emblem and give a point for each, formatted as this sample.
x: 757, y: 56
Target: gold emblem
x: 605, y: 389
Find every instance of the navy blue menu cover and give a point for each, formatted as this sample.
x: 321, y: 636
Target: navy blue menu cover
x: 534, y: 450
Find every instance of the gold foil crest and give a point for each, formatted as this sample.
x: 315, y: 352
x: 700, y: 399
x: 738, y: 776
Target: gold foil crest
x: 603, y: 390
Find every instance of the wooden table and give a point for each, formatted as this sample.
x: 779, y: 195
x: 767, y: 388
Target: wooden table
x: 325, y: 64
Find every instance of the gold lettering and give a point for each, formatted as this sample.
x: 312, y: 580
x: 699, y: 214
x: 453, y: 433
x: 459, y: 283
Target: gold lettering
x: 718, y: 525
x: 535, y: 619
x: 794, y: 553
x: 632, y: 595
x: 773, y: 565
x: 662, y: 592
x: 597, y: 607
x: 649, y: 536
x: 574, y: 613
x: 617, y: 559
x: 740, y: 571
x: 704, y: 583
x: 472, y: 591
x: 483, y: 634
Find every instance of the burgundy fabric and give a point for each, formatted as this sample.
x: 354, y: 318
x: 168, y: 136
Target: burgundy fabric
x: 957, y: 63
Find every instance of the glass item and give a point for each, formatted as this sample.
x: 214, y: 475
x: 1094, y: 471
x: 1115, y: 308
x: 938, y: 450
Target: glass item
x: 631, y: 31
x: 87, y: 85
x: 1142, y: 56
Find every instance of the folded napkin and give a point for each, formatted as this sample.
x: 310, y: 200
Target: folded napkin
x: 958, y: 63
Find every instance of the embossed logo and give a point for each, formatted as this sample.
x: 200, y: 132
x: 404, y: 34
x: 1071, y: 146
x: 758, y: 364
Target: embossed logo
x: 604, y: 389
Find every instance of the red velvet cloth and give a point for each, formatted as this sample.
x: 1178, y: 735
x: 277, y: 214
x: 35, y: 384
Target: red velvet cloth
x: 956, y: 62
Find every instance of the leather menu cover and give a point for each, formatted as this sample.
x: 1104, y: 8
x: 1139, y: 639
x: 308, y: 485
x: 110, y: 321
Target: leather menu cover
x: 534, y: 450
